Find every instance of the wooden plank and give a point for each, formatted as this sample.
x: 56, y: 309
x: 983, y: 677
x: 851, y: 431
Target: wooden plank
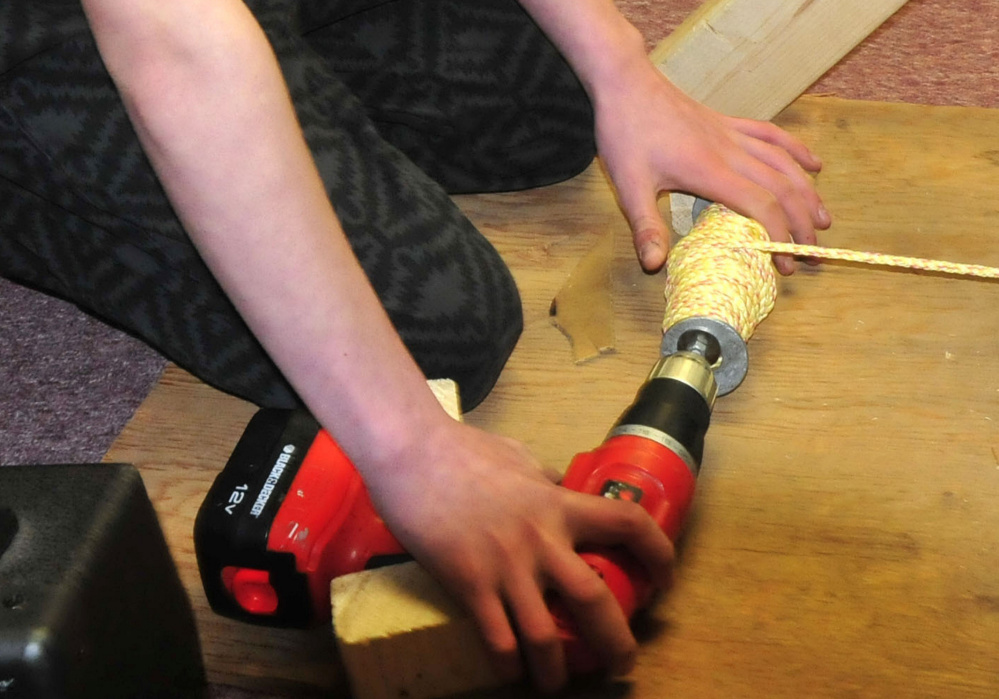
x: 752, y: 58
x: 846, y: 536
x: 844, y: 539
x: 400, y: 634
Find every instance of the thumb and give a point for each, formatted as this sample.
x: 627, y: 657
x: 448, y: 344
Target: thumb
x: 651, y: 240
x: 648, y: 230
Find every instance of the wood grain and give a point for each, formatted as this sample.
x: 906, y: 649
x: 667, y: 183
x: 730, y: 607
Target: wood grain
x: 401, y: 634
x: 845, y: 536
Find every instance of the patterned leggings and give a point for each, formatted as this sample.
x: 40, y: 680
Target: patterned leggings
x: 401, y: 102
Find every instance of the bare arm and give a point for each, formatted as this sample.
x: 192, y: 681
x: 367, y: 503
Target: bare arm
x: 214, y: 116
x: 210, y: 105
x: 653, y: 138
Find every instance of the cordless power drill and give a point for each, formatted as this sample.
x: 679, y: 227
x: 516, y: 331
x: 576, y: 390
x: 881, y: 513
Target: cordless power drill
x: 289, y: 512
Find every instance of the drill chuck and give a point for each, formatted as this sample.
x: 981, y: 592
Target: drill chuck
x: 674, y: 406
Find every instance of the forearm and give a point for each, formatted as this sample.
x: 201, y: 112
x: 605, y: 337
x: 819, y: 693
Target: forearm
x: 215, y: 119
x: 212, y: 111
x: 599, y: 43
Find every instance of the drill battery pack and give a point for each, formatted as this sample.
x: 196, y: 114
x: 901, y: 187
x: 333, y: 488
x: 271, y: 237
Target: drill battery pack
x: 287, y: 514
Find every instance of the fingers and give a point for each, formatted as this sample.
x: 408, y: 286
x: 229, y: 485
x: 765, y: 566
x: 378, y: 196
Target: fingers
x: 744, y: 196
x: 784, y: 198
x: 519, y: 598
x: 513, y: 608
x: 773, y: 168
x: 494, y: 625
x: 600, y: 620
x: 765, y: 179
x: 774, y: 135
x: 603, y: 522
x: 542, y: 647
x: 537, y: 641
x: 765, y: 184
x: 754, y: 167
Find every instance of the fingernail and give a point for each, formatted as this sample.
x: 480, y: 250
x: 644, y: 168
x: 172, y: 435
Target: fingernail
x: 652, y: 254
x: 824, y: 218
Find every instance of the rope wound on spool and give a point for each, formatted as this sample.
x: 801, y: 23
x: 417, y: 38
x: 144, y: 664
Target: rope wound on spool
x: 718, y: 290
x: 720, y: 285
x: 713, y: 272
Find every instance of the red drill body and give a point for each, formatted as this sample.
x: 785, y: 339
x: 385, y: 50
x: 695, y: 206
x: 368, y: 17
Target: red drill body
x: 289, y: 512
x: 651, y: 457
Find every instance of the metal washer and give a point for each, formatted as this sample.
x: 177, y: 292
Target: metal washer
x: 732, y: 365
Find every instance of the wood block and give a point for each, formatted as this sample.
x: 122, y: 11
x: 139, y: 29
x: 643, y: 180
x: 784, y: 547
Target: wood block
x: 446, y: 393
x: 400, y: 634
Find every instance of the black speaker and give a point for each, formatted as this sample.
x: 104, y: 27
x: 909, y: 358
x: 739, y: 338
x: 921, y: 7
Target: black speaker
x: 90, y: 601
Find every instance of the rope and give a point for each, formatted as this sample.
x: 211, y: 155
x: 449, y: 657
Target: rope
x: 714, y: 272
x: 880, y: 259
x: 722, y: 270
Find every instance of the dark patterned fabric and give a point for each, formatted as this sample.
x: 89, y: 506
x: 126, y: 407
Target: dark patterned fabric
x: 28, y: 28
x: 400, y: 102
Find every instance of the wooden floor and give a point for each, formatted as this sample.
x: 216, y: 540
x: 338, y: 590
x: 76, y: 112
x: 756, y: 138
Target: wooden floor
x: 845, y: 537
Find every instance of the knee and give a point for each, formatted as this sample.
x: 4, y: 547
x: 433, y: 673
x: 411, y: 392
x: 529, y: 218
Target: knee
x: 492, y: 349
x: 465, y: 325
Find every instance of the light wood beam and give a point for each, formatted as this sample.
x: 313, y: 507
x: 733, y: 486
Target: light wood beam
x: 400, y: 634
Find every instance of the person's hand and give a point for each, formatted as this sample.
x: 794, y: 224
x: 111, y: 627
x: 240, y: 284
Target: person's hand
x: 652, y: 138
x: 478, y: 512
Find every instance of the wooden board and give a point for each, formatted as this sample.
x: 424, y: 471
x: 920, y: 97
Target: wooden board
x: 845, y: 536
x: 752, y: 58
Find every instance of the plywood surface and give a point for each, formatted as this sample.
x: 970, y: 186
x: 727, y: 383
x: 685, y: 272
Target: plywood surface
x: 845, y: 536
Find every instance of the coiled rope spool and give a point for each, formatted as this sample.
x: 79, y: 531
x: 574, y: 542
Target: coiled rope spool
x: 718, y: 286
x: 720, y: 282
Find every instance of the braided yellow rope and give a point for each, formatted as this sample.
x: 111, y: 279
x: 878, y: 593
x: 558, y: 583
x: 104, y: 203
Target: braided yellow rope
x: 722, y: 270
x: 714, y: 272
x: 880, y: 259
